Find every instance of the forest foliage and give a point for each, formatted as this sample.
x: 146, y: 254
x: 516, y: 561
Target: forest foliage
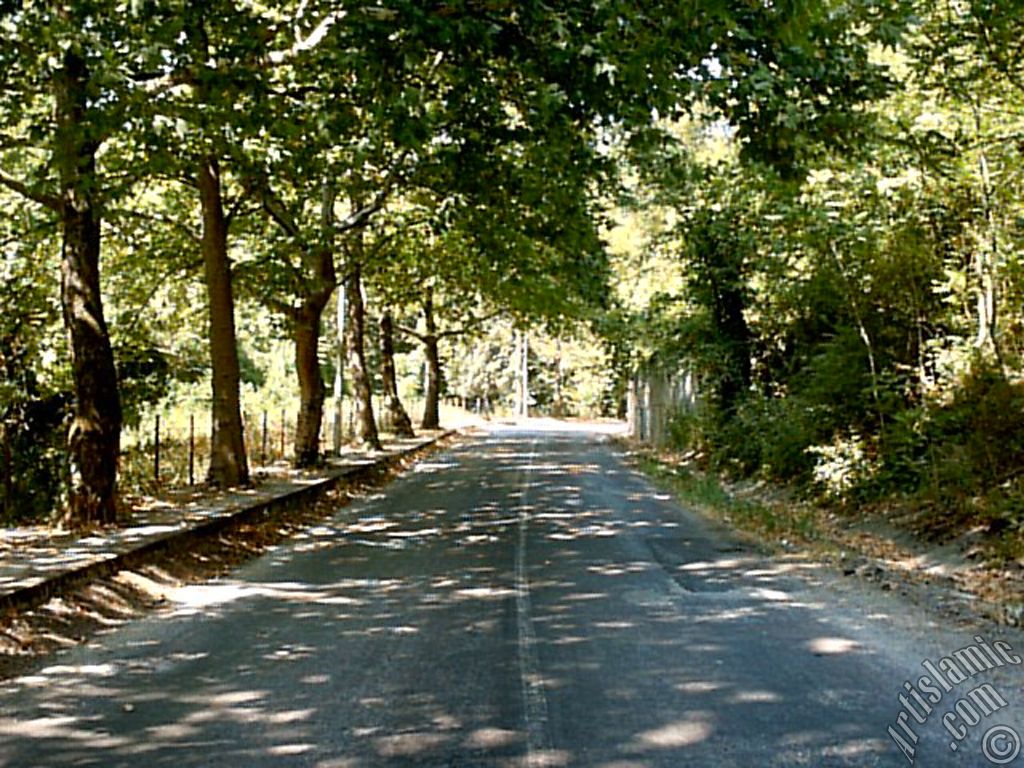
x: 821, y: 198
x: 855, y: 317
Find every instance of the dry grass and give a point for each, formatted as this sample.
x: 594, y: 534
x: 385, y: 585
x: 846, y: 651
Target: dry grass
x: 880, y: 544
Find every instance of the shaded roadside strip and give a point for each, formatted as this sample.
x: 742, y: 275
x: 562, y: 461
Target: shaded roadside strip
x: 35, y: 589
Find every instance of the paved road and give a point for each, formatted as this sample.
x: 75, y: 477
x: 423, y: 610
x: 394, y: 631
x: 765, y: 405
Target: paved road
x: 524, y: 599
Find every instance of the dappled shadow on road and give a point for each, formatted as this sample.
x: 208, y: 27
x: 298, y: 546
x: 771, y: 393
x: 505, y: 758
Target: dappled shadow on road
x: 347, y: 647
x: 281, y: 673
x: 679, y: 646
x: 393, y: 635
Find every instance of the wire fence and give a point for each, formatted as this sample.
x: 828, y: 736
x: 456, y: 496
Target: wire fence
x: 173, y: 452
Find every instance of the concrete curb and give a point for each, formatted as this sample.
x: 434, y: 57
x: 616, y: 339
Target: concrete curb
x: 38, y: 592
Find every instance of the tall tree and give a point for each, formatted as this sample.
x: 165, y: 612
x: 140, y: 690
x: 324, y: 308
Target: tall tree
x: 299, y: 279
x: 397, y: 417
x: 366, y: 424
x: 63, y: 63
x: 432, y: 394
x: 305, y: 253
x: 228, y: 463
x: 220, y: 55
x: 970, y: 91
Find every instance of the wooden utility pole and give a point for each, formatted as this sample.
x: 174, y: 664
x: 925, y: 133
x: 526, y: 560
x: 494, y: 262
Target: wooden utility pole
x: 339, y: 370
x: 523, y: 383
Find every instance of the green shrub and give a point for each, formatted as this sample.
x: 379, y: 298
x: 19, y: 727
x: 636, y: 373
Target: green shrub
x: 790, y: 429
x: 32, y: 455
x: 987, y: 420
x: 686, y: 429
x: 907, y: 453
x: 964, y: 455
x: 766, y: 436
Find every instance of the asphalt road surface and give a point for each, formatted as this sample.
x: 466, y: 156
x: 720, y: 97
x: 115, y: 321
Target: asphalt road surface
x: 523, y: 599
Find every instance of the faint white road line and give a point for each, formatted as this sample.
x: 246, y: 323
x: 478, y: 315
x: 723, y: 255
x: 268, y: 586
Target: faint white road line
x: 535, y: 703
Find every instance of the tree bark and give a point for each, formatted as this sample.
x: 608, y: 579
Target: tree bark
x: 986, y: 272
x: 6, y: 459
x: 559, y: 409
x: 228, y: 463
x: 94, y: 439
x: 305, y: 321
x: 401, y: 424
x: 306, y: 329
x: 340, y: 362
x: 431, y: 410
x: 524, y: 374
x: 366, y: 426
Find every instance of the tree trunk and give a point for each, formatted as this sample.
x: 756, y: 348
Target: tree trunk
x: 399, y: 418
x: 431, y: 410
x: 228, y: 464
x: 986, y: 271
x: 94, y: 440
x: 862, y: 330
x: 524, y: 371
x: 8, y: 475
x: 306, y: 329
x: 728, y: 314
x: 517, y: 358
x: 732, y: 326
x: 559, y: 374
x: 307, y: 325
x: 366, y: 426
x: 340, y: 362
x: 322, y: 280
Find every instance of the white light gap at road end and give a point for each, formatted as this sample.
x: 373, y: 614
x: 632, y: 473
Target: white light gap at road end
x: 535, y: 704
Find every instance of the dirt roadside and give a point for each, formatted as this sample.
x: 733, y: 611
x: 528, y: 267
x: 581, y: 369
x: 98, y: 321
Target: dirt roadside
x: 962, y: 577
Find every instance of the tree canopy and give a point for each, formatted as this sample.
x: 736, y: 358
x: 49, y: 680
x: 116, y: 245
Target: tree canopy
x: 811, y: 207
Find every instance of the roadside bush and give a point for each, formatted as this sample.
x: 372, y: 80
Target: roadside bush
x: 986, y: 421
x: 769, y: 437
x: 963, y: 456
x: 33, y: 397
x: 31, y: 451
x: 907, y: 455
x: 842, y: 468
x: 686, y: 428
x: 791, y: 428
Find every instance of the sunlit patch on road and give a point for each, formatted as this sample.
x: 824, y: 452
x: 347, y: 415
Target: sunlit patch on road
x: 512, y: 605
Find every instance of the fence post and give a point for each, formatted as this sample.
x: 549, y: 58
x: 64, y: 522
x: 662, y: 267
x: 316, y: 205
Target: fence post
x: 156, y: 450
x: 191, y: 449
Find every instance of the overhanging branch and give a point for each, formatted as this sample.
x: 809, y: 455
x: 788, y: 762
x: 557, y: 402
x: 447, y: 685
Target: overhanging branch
x: 411, y: 332
x: 167, y: 221
x: 50, y: 201
x: 468, y: 327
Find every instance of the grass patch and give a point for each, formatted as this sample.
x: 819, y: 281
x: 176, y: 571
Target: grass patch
x: 689, y: 485
x: 992, y: 568
x: 782, y: 524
